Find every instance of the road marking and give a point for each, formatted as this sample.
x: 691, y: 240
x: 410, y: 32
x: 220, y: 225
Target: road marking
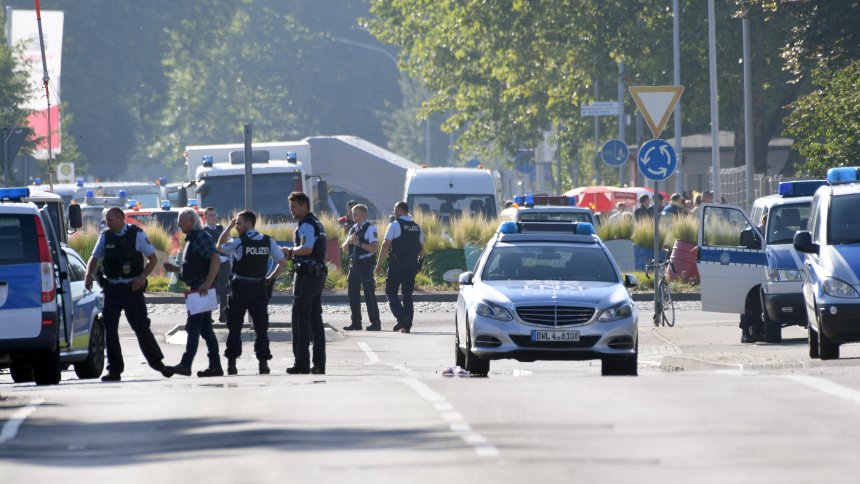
x: 446, y: 411
x: 10, y: 428
x: 826, y: 386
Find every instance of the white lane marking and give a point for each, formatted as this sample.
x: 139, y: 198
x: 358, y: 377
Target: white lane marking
x: 10, y: 428
x: 826, y: 386
x: 446, y: 411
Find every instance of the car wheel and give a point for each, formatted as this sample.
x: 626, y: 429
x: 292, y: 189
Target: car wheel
x: 474, y: 365
x: 827, y: 350
x: 46, y: 370
x: 21, y: 372
x: 93, y: 366
x: 813, y: 342
x: 772, y: 329
x: 459, y: 356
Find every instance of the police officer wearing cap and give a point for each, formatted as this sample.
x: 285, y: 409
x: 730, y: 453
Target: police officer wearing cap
x: 214, y: 229
x: 404, y: 242
x: 250, y: 287
x: 308, y: 255
x: 121, y: 248
x: 361, y: 243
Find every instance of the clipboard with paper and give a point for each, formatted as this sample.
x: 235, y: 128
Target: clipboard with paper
x: 196, y: 304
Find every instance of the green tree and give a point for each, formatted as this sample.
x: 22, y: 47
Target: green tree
x: 13, y: 85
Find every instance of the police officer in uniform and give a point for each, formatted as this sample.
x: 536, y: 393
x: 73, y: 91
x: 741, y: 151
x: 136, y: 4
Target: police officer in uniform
x: 214, y: 229
x: 308, y: 255
x: 404, y: 242
x: 249, y: 287
x: 121, y: 248
x: 361, y: 244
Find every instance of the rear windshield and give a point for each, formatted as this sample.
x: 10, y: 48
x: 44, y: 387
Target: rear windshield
x: 18, y: 239
x: 546, y: 216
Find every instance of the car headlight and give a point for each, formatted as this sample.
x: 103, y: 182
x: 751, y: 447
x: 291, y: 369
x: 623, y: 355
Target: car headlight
x: 618, y: 311
x: 836, y: 288
x: 783, y: 275
x: 492, y: 310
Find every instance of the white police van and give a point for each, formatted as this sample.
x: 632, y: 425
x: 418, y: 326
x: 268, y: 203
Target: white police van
x: 47, y: 318
x: 753, y: 270
x: 831, y: 250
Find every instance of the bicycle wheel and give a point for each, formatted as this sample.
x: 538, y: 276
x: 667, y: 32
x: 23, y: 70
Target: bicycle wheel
x: 668, y: 308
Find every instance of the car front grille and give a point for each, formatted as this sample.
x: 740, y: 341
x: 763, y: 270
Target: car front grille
x: 526, y: 342
x: 555, y: 315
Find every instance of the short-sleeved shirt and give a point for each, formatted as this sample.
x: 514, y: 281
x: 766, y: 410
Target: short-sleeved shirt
x: 141, y: 243
x: 306, y: 236
x: 371, y: 235
x: 232, y: 247
x: 393, y: 230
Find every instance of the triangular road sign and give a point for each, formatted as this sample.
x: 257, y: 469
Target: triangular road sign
x: 656, y: 104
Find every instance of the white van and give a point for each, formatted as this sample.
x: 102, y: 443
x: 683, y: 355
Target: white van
x: 449, y: 192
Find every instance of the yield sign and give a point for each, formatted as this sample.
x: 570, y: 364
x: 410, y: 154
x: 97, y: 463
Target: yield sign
x: 656, y: 104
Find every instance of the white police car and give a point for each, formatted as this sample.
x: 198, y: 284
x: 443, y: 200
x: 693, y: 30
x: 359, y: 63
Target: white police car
x: 546, y: 291
x: 47, y: 318
x: 751, y: 270
x: 831, y: 249
x: 542, y: 208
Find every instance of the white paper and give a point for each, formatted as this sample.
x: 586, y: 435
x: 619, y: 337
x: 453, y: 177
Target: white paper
x: 196, y: 304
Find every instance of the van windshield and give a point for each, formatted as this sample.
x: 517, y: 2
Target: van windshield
x: 227, y: 194
x: 450, y: 206
x: 785, y: 220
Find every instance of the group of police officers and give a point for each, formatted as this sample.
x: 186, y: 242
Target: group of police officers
x: 123, y: 258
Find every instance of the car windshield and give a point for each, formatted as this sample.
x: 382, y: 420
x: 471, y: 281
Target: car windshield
x: 560, y: 262
x: 270, y: 190
x: 449, y: 206
x: 844, y: 224
x: 785, y: 220
x: 548, y: 216
x: 166, y: 220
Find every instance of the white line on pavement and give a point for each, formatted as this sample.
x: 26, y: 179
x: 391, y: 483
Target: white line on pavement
x: 369, y: 352
x: 826, y: 386
x: 10, y: 428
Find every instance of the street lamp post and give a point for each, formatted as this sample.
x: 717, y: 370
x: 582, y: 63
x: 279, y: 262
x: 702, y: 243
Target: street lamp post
x: 715, y: 115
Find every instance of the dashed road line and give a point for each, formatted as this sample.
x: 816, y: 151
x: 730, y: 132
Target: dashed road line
x: 826, y: 386
x: 455, y: 419
x: 10, y: 428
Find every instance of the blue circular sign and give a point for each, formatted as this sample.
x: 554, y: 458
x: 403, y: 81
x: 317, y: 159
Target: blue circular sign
x: 657, y: 160
x: 615, y: 152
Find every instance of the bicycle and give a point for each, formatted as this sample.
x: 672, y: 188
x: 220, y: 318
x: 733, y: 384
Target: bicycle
x: 664, y: 307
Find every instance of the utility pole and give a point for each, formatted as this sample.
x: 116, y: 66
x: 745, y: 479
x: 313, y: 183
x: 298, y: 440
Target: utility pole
x: 676, y: 49
x: 715, y: 115
x: 249, y: 172
x: 748, y: 127
x: 596, y: 163
x: 621, y: 128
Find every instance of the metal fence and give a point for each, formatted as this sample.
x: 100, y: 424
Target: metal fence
x: 733, y: 186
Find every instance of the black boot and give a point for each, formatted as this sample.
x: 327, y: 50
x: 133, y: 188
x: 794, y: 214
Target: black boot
x: 264, y: 367
x: 231, y: 366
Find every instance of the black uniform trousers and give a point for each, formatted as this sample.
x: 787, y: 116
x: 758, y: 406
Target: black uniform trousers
x: 361, y: 277
x: 251, y: 296
x: 307, y: 322
x: 222, y: 284
x: 401, y: 278
x: 118, y: 298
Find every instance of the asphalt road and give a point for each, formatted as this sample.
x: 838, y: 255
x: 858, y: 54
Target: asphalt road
x: 704, y: 409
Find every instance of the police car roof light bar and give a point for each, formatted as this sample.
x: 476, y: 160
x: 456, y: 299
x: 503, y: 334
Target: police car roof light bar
x: 578, y: 228
x: 844, y: 174
x: 16, y: 194
x: 800, y: 188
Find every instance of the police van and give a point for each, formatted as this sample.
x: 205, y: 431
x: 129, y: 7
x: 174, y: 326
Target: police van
x: 831, y: 251
x: 48, y: 320
x: 751, y: 269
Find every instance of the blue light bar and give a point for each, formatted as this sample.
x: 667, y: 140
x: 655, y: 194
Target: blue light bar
x: 165, y: 204
x: 530, y: 200
x: 79, y: 182
x: 509, y: 227
x: 846, y: 174
x: 192, y: 202
x: 518, y: 199
x: 584, y: 228
x: 90, y: 194
x: 804, y: 188
x: 207, y: 160
x: 163, y: 180
x: 571, y: 201
x: 37, y: 181
x: 132, y: 204
x: 291, y: 156
x: 17, y: 194
x: 122, y: 194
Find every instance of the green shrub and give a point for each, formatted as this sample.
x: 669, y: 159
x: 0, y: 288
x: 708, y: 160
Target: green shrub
x: 686, y: 228
x: 84, y: 241
x: 722, y: 233
x: 158, y: 237
x: 619, y: 229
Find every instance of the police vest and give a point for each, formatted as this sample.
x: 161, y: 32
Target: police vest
x: 407, y: 246
x: 214, y: 232
x: 355, y: 251
x: 255, y: 257
x: 195, y: 267
x: 318, y: 252
x: 122, y: 260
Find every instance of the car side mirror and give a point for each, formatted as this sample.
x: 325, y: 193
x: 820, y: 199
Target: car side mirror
x: 750, y: 240
x: 630, y: 280
x: 182, y: 197
x: 803, y: 242
x: 76, y: 220
x: 465, y: 278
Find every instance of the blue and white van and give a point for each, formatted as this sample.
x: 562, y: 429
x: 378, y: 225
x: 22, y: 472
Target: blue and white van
x: 751, y: 269
x: 831, y: 265
x: 47, y: 318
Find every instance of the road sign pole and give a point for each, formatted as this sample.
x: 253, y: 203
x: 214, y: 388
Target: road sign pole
x: 249, y: 171
x: 656, y: 242
x: 748, y: 127
x: 596, y: 164
x: 676, y: 51
x: 715, y: 115
x: 621, y: 130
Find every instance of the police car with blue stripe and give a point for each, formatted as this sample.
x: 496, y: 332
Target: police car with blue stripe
x: 47, y: 317
x: 831, y: 266
x: 748, y: 266
x: 546, y: 291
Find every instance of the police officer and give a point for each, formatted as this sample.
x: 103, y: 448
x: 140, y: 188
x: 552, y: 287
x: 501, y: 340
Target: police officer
x: 214, y: 229
x: 199, y: 269
x: 361, y: 244
x: 308, y: 255
x: 121, y: 249
x: 347, y: 221
x: 249, y: 287
x: 404, y: 242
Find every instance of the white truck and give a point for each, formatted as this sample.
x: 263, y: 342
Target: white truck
x: 450, y: 192
x: 343, y: 167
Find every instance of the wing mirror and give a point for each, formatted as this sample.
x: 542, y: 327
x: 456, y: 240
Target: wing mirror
x: 75, y: 218
x: 465, y: 278
x: 630, y: 280
x: 803, y: 242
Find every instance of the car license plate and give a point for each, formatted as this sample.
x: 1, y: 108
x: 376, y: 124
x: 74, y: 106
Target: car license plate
x: 555, y: 336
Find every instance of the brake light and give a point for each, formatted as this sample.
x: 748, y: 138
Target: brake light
x: 46, y: 265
